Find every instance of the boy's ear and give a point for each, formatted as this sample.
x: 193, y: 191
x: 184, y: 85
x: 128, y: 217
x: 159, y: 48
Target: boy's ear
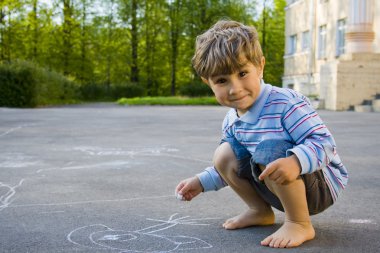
x: 262, y: 66
x: 205, y: 80
x: 262, y: 62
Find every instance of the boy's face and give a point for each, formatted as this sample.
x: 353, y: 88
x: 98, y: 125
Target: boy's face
x: 238, y: 90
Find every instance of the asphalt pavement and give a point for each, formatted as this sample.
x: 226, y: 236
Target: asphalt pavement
x: 101, y: 178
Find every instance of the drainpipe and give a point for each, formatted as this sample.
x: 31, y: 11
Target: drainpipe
x: 313, y: 31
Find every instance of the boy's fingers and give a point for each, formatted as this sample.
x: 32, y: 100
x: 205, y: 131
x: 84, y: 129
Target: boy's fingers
x: 185, y: 188
x: 179, y: 187
x: 267, y: 171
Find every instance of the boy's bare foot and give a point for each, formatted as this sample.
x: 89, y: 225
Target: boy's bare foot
x: 291, y: 234
x: 249, y: 218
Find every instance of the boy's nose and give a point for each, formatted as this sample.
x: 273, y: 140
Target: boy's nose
x: 235, y: 87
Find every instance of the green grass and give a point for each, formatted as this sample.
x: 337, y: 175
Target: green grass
x: 168, y: 101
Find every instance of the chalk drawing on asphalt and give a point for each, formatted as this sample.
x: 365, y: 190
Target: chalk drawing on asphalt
x: 146, y: 240
x: 15, y: 129
x: 155, y: 151
x: 6, y: 194
x: 17, y: 160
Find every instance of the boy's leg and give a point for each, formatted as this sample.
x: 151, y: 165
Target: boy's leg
x: 297, y: 227
x: 259, y: 212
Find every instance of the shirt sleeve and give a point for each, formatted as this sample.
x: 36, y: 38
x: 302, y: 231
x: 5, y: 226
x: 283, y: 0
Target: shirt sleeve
x: 211, y: 180
x: 315, y: 147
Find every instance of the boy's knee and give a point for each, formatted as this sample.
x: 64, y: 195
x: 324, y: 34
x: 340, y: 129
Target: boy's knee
x: 224, y: 158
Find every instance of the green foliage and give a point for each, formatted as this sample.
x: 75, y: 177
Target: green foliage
x: 23, y: 84
x: 17, y: 87
x: 274, y: 45
x: 101, y: 91
x: 196, y: 89
x: 94, y: 42
x: 168, y: 101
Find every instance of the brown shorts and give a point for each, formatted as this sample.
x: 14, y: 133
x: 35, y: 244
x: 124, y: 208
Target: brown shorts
x: 317, y: 191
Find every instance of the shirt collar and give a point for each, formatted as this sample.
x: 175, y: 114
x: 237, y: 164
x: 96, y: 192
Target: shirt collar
x: 253, y: 113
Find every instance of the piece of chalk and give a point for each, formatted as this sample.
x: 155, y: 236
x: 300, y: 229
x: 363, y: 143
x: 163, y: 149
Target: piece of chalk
x: 179, y: 196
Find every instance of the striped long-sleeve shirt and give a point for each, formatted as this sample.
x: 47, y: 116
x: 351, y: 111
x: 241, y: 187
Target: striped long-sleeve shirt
x: 284, y: 114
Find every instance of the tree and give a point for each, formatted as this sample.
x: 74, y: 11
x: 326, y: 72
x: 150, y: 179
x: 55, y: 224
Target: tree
x: 134, y: 43
x: 272, y: 27
x: 85, y: 65
x: 67, y: 36
x: 176, y: 23
x: 116, y: 42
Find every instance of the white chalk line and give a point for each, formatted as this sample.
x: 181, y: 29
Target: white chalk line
x: 52, y: 212
x: 91, y: 166
x: 10, y: 131
x: 91, y: 201
x: 361, y: 221
x: 15, y: 129
x: 142, y: 234
x: 155, y: 152
x: 5, y: 199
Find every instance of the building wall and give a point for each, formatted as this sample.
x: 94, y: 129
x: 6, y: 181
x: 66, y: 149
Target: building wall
x: 358, y: 79
x: 376, y: 26
x: 307, y: 72
x: 297, y: 71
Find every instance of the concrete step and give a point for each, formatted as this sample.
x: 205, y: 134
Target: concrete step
x: 376, y: 108
x: 376, y: 102
x: 376, y: 105
x: 369, y: 105
x: 363, y: 108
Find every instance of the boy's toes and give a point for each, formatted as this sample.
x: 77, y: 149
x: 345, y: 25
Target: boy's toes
x: 284, y: 243
x: 266, y: 241
x: 277, y: 243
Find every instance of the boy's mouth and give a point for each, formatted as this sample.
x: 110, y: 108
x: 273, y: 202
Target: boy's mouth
x: 238, y: 98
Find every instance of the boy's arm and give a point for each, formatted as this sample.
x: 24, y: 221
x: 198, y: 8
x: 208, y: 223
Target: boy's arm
x: 211, y: 180
x: 315, y: 146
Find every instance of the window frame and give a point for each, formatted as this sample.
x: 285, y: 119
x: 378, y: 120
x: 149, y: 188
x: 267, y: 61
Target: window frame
x: 305, y: 40
x: 322, y: 41
x: 341, y: 26
x: 292, y: 47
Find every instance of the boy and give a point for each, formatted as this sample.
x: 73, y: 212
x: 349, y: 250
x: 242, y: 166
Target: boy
x: 275, y: 149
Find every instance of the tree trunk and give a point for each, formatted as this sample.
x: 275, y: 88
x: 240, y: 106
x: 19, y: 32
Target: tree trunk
x: 174, y: 35
x: 83, y: 51
x: 35, y: 30
x: 263, y: 39
x: 134, y: 66
x: 67, y: 43
x: 148, y: 49
x: 2, y: 44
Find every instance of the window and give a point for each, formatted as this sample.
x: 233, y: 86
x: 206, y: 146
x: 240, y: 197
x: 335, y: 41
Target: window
x: 340, y: 37
x: 322, y: 42
x: 305, y: 40
x: 292, y: 48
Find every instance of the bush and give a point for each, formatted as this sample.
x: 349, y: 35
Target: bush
x: 129, y: 90
x: 168, y: 101
x: 102, y: 91
x: 17, y: 87
x: 196, y: 89
x: 23, y: 84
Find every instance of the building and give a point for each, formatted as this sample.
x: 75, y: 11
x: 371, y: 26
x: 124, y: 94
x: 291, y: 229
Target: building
x: 333, y: 50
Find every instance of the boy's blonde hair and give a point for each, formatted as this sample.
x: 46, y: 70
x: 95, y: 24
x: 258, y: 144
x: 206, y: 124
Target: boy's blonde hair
x: 225, y: 48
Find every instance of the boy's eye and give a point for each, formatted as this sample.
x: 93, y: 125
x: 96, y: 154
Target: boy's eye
x: 221, y: 80
x: 242, y: 74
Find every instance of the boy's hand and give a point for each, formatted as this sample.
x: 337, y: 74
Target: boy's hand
x: 189, y: 188
x: 283, y: 170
